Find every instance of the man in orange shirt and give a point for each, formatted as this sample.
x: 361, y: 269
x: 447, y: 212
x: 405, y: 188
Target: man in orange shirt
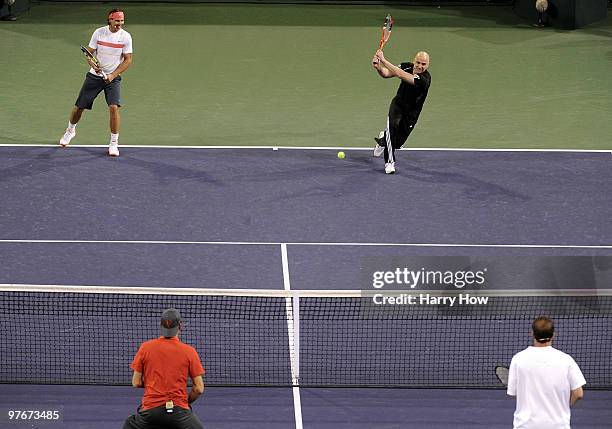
x: 161, y: 367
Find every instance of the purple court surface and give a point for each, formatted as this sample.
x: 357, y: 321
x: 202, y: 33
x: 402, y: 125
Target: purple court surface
x: 103, y: 407
x: 290, y: 196
x: 249, y: 218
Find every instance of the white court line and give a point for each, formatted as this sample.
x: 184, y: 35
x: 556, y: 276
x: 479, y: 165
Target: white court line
x: 297, y: 406
x: 279, y: 293
x: 360, y: 148
x: 285, y: 261
x: 293, y: 323
x: 271, y: 243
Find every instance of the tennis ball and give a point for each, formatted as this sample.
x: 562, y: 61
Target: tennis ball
x: 341, y: 155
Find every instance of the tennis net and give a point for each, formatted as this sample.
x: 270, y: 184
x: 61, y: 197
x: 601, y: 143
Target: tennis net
x: 89, y: 335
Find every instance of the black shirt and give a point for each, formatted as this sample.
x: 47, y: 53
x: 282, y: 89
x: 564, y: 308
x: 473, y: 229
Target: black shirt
x: 412, y: 97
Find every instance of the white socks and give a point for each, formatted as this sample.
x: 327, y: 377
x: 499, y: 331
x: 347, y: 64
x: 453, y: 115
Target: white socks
x: 114, y: 138
x: 71, y: 126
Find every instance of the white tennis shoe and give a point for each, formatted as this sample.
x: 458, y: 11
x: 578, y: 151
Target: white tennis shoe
x: 68, y: 135
x: 378, y: 149
x: 113, y: 149
x: 390, y: 167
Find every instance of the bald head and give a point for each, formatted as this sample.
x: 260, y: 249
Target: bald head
x: 422, y: 55
x: 421, y: 62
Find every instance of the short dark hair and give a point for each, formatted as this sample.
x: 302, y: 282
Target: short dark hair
x: 111, y: 12
x: 543, y: 329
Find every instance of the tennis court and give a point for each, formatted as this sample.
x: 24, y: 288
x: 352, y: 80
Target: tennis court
x: 228, y: 202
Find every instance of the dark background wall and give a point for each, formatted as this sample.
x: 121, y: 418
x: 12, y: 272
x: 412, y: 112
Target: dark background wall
x: 22, y: 5
x: 565, y: 14
x: 17, y: 8
x: 374, y: 2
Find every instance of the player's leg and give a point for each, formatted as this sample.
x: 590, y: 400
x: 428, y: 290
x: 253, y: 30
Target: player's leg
x: 402, y: 132
x: 380, y: 144
x: 140, y: 420
x: 75, y: 115
x: 90, y: 89
x: 389, y: 152
x: 70, y: 133
x: 112, y: 92
x: 132, y: 422
x: 383, y: 144
x: 186, y: 419
x: 115, y: 122
x: 394, y: 136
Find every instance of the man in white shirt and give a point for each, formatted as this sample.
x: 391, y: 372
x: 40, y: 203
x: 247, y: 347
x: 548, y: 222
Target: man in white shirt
x: 545, y: 381
x: 113, y: 46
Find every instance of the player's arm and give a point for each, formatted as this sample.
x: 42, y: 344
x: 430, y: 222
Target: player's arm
x: 382, y: 70
x: 576, y: 381
x: 393, y: 70
x: 137, y: 380
x: 127, y: 60
x: 576, y: 395
x: 196, y: 390
x: 512, y: 378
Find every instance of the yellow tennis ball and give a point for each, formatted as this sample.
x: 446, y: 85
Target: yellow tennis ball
x: 341, y: 155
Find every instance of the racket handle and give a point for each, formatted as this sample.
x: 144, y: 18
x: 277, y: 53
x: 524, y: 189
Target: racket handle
x: 101, y: 73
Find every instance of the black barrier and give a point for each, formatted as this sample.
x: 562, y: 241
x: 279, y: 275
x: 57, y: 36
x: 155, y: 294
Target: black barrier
x: 10, y: 9
x: 564, y: 14
x: 334, y: 2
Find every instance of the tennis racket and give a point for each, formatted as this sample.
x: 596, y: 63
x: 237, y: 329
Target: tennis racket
x: 502, y: 374
x: 386, y: 31
x: 93, y: 59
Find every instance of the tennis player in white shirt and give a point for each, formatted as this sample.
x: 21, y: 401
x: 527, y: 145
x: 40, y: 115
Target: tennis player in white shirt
x: 113, y: 47
x: 545, y: 381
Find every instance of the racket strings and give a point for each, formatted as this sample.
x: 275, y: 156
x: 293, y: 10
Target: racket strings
x: 386, y: 31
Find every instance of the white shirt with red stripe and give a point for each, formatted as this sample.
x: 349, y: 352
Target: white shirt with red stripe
x: 110, y: 47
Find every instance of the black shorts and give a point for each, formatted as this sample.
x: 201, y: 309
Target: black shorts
x: 93, y: 85
x: 158, y: 417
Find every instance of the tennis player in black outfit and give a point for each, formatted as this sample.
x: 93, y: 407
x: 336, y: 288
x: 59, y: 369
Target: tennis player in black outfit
x: 405, y: 107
